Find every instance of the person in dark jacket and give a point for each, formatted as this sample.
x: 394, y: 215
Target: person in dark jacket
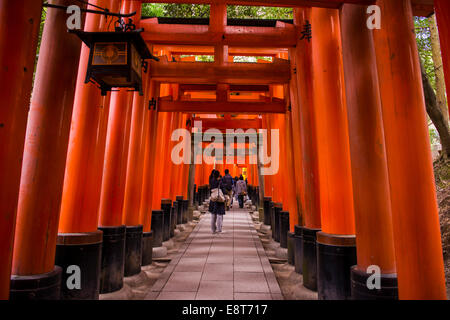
x: 216, y: 208
x: 211, y: 179
x: 241, y: 190
x: 227, y: 182
x: 211, y: 176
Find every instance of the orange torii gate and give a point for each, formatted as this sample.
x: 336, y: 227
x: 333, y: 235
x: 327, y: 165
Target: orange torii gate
x: 83, y: 183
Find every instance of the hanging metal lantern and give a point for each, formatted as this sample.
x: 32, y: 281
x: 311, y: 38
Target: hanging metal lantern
x: 117, y: 59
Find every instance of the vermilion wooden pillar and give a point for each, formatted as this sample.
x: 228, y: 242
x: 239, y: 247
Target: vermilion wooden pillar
x: 133, y: 184
x: 164, y: 172
x: 296, y: 142
x: 280, y: 92
x: 167, y: 172
x: 112, y: 192
x: 336, y: 246
x: 44, y: 158
x: 176, y: 194
x: 134, y: 171
x: 442, y: 8
x: 307, y: 126
x: 278, y: 180
x: 417, y: 237
x: 159, y: 165
x: 175, y: 186
x: 174, y: 169
x: 267, y: 178
x: 249, y: 172
x: 307, y: 116
x: 218, y: 21
x: 185, y: 170
x: 173, y: 178
x: 161, y: 187
x: 17, y: 57
x: 290, y: 175
x: 278, y: 124
x: 282, y: 170
x: 272, y: 124
x: 185, y: 173
x: 79, y: 241
x: 113, y: 185
x: 294, y: 163
x: 277, y: 192
x: 149, y: 160
x: 368, y: 158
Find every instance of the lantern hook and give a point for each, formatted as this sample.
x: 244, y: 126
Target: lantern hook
x: 121, y: 26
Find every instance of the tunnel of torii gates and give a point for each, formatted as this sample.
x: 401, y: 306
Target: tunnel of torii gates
x: 83, y: 174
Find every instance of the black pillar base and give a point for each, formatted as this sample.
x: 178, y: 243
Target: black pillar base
x: 185, y: 203
x: 284, y: 228
x: 309, y: 258
x: 45, y: 286
x: 195, y: 200
x: 298, y: 249
x: 147, y: 248
x: 133, y: 250
x: 173, y: 218
x: 277, y: 207
x: 166, y: 206
x: 206, y: 192
x: 113, y: 259
x: 336, y: 254
x: 85, y: 251
x: 157, y: 228
x: 190, y: 212
x: 291, y: 248
x: 267, y: 211
x: 179, y: 209
x: 201, y: 195
x: 272, y: 218
x: 388, y: 286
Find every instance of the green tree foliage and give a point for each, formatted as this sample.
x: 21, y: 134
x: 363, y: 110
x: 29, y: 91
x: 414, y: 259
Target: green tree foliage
x: 202, y: 11
x: 186, y: 10
x: 41, y: 30
x: 247, y: 12
x: 423, y: 36
x: 434, y: 88
x: 152, y: 9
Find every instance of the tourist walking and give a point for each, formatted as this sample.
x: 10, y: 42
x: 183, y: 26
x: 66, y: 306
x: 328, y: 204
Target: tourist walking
x: 217, y: 202
x: 241, y: 190
x: 227, y: 182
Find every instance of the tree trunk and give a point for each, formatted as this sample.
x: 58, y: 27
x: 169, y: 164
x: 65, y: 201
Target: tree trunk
x: 435, y: 113
x: 438, y: 67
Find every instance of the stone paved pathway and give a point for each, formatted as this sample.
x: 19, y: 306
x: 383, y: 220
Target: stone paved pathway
x: 228, y: 266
